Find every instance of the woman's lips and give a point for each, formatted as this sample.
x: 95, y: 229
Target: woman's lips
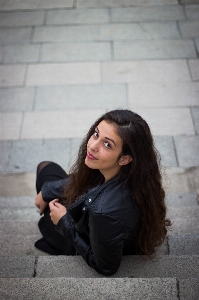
x: 90, y: 156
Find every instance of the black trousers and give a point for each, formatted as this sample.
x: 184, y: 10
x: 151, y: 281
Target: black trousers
x: 52, y: 242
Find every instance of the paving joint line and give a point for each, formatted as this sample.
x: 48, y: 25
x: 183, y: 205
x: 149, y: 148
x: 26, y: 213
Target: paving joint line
x: 175, y: 151
x: 192, y: 118
x: 45, y: 17
x: 35, y: 266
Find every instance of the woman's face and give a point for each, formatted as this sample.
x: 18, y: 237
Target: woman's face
x: 104, y: 150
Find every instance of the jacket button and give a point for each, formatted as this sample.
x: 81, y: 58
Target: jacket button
x: 84, y: 208
x: 89, y: 200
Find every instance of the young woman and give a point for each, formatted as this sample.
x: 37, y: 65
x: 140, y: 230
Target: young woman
x: 112, y: 202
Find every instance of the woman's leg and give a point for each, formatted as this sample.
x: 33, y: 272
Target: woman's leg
x: 52, y: 242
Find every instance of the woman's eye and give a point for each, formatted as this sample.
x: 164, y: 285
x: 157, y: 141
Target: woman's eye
x: 95, y: 134
x: 107, y: 145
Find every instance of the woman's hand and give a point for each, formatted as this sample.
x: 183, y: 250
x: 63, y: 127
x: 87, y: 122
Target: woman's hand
x: 57, y: 211
x: 40, y: 203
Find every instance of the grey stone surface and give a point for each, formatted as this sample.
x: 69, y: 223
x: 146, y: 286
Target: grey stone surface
x: 12, y: 75
x: 19, y: 228
x: 106, y: 32
x: 189, y: 1
x: 76, y: 52
x: 181, y: 200
x: 88, y: 289
x: 187, y: 150
x: 189, y: 29
x: 34, y: 4
x: 164, y: 145
x: 197, y: 44
x: 163, y: 94
x: 59, y: 124
x: 183, y: 244
x: 78, y: 16
x: 105, y: 3
x: 194, y: 66
x: 16, y: 245
x: 192, y: 11
x: 167, y: 121
x: 147, y: 13
x: 22, y: 201
x: 23, y: 184
x: 21, y: 53
x: 145, y: 71
x: 63, y: 74
x: 131, y: 266
x: 15, y: 35
x: 15, y: 19
x: 184, y: 226
x: 183, y: 212
x: 10, y: 124
x: 25, y: 155
x: 154, y: 49
x: 16, y: 99
x: 79, y: 96
x: 195, y: 114
x: 5, y: 148
x: 1, y: 53
x: 17, y: 267
x: 189, y: 289
x: 19, y: 213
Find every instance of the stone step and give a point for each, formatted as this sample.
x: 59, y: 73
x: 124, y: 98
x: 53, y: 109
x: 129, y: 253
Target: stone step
x: 180, y: 267
x: 89, y: 288
x: 183, y: 244
x: 183, y: 212
x: 182, y: 199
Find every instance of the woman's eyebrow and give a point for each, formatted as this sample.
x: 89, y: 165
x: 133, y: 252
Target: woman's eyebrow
x: 106, y: 137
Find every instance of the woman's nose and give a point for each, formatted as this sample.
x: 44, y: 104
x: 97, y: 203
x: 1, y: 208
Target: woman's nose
x: 94, y: 145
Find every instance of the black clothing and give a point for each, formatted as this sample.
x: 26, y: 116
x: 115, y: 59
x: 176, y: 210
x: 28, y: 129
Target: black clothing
x: 101, y: 225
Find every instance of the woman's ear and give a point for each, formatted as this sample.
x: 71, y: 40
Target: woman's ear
x: 124, y: 160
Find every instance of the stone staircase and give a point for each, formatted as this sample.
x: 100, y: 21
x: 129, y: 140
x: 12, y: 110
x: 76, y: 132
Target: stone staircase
x: 62, y: 64
x: 27, y: 273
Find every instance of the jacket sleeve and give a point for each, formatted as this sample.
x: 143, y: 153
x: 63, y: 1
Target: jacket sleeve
x: 53, y: 189
x: 103, y: 250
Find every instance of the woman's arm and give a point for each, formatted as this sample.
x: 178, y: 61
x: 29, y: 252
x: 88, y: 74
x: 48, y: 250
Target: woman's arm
x: 103, y: 251
x: 53, y: 189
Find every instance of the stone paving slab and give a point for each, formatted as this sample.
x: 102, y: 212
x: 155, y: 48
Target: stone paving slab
x: 131, y: 266
x: 25, y: 155
x: 15, y: 35
x: 34, y: 4
x: 22, y: 201
x: 188, y: 150
x: 20, y: 213
x: 197, y: 44
x: 184, y: 226
x: 78, y: 16
x: 19, y: 228
x: 14, y: 19
x: 167, y: 121
x: 16, y: 245
x: 146, y: 71
x: 110, y: 3
x: 183, y: 244
x: 58, y: 124
x: 76, y: 52
x: 183, y: 212
x: 60, y: 74
x: 147, y: 13
x: 10, y: 124
x: 163, y: 94
x: 189, y: 28
x: 106, y: 32
x: 192, y: 11
x: 194, y: 66
x: 12, y: 75
x: 85, y: 289
x: 155, y: 49
x: 189, y: 289
x: 81, y: 96
x: 16, y: 99
x: 195, y: 114
x: 164, y: 144
x: 21, y: 53
x: 17, y: 266
x: 22, y: 185
x: 181, y: 200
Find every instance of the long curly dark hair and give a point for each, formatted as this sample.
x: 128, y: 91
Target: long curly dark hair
x: 143, y: 175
